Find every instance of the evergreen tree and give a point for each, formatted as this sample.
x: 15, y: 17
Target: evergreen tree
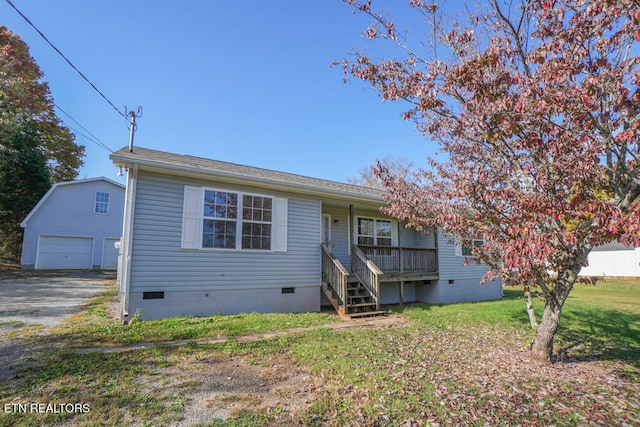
x: 35, y: 149
x: 24, y: 179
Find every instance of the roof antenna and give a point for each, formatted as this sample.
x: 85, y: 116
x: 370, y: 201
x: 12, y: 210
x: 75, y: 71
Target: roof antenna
x: 132, y: 124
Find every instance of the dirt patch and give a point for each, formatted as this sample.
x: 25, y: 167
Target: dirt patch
x: 219, y: 387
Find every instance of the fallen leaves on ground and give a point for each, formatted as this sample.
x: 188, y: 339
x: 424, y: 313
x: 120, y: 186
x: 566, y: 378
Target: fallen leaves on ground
x: 471, y: 376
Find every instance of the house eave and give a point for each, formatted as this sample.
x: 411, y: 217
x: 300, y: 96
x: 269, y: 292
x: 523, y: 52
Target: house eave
x: 233, y: 178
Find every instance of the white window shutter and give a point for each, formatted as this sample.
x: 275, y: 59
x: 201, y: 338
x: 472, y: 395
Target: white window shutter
x: 457, y: 248
x: 191, y: 235
x: 394, y: 233
x: 280, y: 219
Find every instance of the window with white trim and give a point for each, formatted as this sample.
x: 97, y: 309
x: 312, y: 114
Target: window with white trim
x: 221, y: 221
x: 233, y: 220
x: 374, y: 232
x: 468, y: 245
x: 101, y: 205
x: 256, y: 222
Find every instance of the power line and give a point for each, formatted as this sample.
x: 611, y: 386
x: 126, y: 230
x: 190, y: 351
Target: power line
x: 95, y: 139
x: 77, y: 132
x: 65, y: 58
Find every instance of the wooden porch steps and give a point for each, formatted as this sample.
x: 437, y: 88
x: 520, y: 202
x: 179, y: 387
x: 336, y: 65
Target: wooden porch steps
x: 360, y: 303
x: 353, y: 294
x: 367, y: 314
x: 356, y: 292
x: 364, y: 304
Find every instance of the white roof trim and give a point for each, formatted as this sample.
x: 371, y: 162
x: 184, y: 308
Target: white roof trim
x: 60, y: 184
x: 176, y: 164
x: 80, y: 181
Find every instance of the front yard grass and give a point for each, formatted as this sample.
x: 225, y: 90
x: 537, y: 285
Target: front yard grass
x: 463, y: 364
x: 93, y: 327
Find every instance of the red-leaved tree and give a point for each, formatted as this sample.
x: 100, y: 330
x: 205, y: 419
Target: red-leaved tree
x: 534, y: 105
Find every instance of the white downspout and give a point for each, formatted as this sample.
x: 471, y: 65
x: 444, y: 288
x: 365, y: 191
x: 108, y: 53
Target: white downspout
x: 127, y: 238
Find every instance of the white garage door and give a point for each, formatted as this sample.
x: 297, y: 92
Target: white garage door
x: 64, y: 253
x: 109, y: 254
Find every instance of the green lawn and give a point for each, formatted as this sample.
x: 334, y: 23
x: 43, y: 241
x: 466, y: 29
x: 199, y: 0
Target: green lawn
x: 610, y: 294
x: 93, y: 327
x: 463, y: 364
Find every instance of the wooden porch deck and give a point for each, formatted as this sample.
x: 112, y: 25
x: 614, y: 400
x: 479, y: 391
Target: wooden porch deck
x: 402, y: 263
x: 357, y: 293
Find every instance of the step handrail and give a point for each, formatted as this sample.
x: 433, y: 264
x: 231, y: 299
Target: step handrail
x: 367, y: 272
x: 334, y: 274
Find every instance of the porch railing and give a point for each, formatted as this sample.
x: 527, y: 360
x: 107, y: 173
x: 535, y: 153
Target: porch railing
x: 400, y: 259
x: 334, y: 273
x: 367, y: 273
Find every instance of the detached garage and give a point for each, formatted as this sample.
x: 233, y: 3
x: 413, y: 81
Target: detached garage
x: 75, y: 227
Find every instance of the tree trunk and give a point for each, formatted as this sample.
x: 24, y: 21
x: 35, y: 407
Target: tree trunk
x: 542, y: 346
x: 530, y: 311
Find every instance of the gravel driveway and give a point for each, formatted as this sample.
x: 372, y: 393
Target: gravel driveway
x: 35, y: 298
x: 46, y: 298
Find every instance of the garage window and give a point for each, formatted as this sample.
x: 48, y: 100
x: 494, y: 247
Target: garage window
x: 102, y: 203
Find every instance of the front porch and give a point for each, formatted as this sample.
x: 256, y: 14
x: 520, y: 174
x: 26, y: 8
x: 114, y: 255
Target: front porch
x: 400, y: 263
x: 356, y: 292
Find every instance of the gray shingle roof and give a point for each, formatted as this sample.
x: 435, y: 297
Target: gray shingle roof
x: 207, y: 167
x: 612, y: 246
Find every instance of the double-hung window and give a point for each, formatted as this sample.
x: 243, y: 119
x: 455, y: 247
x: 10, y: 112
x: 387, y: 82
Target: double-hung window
x: 256, y: 222
x: 468, y: 245
x: 101, y: 205
x: 220, y: 219
x: 222, y: 222
x: 234, y: 220
x: 374, y: 232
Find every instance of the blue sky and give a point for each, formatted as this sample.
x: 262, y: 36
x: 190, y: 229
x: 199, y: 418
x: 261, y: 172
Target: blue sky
x: 246, y: 82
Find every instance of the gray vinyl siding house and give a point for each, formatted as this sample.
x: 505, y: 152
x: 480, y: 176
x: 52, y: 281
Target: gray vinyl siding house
x: 75, y: 225
x: 204, y: 237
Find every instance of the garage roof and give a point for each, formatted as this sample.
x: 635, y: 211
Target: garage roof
x: 60, y: 184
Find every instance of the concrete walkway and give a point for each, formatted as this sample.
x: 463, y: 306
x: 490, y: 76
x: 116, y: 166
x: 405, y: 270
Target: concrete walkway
x: 372, y: 322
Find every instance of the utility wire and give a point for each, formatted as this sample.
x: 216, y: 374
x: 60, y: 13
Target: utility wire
x: 65, y: 58
x: 93, y: 138
x: 77, y: 132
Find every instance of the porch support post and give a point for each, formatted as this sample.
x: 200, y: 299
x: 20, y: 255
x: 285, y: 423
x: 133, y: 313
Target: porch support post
x: 351, y: 226
x: 401, y: 267
x: 435, y: 237
x: 435, y: 244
